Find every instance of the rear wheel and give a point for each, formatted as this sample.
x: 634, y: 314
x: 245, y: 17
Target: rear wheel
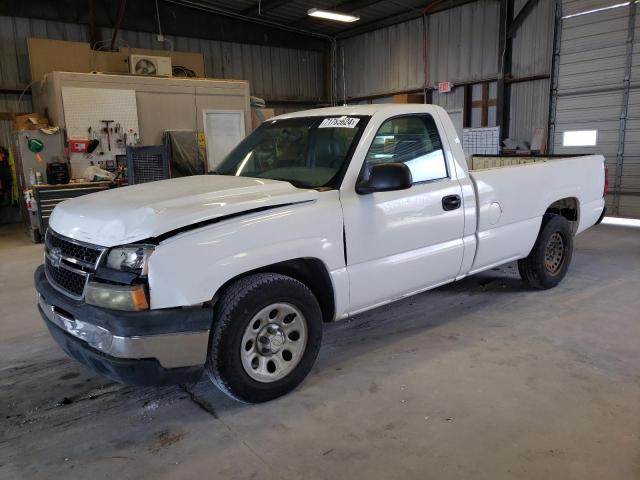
x: 549, y: 260
x: 266, y: 337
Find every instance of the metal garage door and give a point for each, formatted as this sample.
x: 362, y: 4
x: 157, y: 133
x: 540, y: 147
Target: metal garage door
x: 596, y: 86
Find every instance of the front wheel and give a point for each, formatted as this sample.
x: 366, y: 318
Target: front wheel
x: 549, y: 260
x: 266, y: 337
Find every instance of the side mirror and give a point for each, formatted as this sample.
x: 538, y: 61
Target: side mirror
x: 386, y: 177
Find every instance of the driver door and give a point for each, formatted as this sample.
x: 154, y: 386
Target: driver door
x: 401, y: 242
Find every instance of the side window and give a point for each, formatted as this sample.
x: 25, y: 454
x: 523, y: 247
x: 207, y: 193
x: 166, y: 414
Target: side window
x: 414, y: 141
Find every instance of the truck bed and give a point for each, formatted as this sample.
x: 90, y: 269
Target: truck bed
x: 511, y: 201
x: 485, y: 162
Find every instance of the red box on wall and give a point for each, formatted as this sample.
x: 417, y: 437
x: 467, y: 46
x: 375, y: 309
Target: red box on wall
x: 78, y: 145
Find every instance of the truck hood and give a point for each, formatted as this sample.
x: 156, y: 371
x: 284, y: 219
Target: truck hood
x: 130, y: 214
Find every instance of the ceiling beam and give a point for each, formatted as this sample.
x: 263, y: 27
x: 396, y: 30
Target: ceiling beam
x: 503, y: 108
x: 264, y: 6
x: 521, y: 17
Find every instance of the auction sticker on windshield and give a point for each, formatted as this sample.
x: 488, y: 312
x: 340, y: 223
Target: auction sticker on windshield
x: 340, y: 122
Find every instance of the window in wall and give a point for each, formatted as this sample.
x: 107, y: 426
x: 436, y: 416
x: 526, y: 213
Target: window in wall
x: 580, y: 138
x: 480, y: 105
x: 414, y: 141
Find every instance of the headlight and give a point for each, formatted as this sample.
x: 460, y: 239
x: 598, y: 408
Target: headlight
x: 132, y: 258
x: 116, y: 297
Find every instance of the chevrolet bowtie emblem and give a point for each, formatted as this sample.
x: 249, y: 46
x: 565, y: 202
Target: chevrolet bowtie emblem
x: 55, y: 256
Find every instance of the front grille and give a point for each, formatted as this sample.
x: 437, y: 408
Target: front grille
x: 74, y: 250
x: 65, y: 279
x: 69, y: 264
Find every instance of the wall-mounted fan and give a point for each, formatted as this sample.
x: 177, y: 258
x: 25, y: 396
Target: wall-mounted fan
x: 150, y: 65
x: 144, y: 66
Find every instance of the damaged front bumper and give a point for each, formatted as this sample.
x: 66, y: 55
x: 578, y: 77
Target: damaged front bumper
x: 152, y: 347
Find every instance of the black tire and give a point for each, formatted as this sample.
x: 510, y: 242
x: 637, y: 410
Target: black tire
x: 540, y: 270
x: 235, y: 309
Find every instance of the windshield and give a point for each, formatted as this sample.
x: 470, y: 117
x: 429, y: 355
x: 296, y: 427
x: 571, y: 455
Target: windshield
x: 309, y: 152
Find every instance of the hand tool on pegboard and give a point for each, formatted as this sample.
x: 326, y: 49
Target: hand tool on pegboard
x: 106, y: 130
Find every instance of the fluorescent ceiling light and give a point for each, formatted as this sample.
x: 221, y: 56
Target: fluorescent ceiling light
x: 596, y: 10
x: 329, y: 15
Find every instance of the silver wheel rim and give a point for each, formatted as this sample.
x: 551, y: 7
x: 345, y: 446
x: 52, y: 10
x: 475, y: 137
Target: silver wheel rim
x: 273, y: 342
x: 554, y: 254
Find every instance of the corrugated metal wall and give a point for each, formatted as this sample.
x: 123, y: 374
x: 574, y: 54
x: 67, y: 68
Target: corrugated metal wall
x: 449, y: 101
x: 630, y: 169
x: 533, y: 42
x: 462, y: 46
x: 592, y: 93
x: 463, y: 43
x: 529, y: 108
x: 532, y: 56
x: 383, y: 61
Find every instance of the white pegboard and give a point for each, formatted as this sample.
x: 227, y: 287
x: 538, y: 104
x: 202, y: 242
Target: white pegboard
x: 86, y: 107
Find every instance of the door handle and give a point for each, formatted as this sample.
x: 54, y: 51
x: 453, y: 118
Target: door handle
x: 451, y: 202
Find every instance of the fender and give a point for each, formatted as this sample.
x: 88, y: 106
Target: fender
x: 189, y: 267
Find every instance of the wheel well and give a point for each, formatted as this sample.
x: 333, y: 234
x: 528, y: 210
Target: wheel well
x: 310, y: 271
x: 569, y: 208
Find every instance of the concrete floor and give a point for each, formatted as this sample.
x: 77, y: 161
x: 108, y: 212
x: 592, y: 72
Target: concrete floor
x: 483, y: 379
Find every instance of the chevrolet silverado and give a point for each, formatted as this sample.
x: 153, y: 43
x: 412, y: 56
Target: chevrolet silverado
x: 314, y: 217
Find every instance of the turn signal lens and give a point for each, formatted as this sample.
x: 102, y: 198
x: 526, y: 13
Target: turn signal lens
x: 139, y: 298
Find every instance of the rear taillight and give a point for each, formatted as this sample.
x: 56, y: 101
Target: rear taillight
x: 606, y: 181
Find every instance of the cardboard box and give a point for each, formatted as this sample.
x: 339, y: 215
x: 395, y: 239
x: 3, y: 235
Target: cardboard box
x: 59, y: 55
x: 30, y: 121
x: 259, y: 115
x: 539, y: 140
x: 407, y: 98
x: 111, y: 62
x: 47, y: 55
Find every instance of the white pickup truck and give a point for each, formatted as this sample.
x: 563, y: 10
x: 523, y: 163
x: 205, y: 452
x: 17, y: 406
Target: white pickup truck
x: 314, y: 217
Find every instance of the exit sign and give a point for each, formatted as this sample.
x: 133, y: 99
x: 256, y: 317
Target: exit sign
x: 445, y: 87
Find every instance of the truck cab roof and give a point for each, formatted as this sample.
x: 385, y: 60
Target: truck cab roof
x: 369, y: 110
